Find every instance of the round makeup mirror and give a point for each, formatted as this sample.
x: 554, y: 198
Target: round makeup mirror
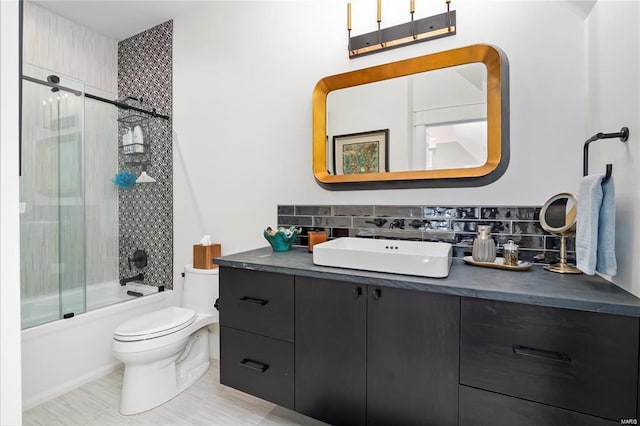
x: 558, y: 216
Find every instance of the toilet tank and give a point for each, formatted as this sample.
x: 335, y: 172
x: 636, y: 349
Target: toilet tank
x: 200, y: 290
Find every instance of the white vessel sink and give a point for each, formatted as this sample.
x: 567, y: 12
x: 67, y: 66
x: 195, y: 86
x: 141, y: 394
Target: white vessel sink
x: 425, y: 259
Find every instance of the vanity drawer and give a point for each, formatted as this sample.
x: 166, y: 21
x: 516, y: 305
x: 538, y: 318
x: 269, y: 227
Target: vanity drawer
x: 257, y: 365
x: 260, y: 302
x: 577, y: 360
x: 482, y: 408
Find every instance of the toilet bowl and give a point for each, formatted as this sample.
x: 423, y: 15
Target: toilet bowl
x: 166, y: 351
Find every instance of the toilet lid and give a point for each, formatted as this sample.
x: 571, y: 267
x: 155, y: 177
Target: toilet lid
x: 155, y: 324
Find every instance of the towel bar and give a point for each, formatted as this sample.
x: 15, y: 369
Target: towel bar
x: 623, y: 134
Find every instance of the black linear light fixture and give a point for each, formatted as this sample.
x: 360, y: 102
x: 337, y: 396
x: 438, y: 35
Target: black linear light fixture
x: 430, y: 28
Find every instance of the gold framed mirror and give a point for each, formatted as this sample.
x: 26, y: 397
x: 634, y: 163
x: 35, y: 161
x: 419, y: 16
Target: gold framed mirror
x: 353, y: 103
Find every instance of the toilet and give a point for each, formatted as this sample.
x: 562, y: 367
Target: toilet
x: 166, y: 351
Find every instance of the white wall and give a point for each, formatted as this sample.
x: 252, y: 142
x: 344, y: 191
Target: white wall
x: 10, y: 385
x: 614, y: 101
x: 242, y: 110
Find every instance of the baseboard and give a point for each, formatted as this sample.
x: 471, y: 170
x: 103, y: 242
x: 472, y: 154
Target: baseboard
x: 69, y: 386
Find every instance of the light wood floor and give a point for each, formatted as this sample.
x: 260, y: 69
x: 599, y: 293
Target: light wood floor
x: 206, y: 402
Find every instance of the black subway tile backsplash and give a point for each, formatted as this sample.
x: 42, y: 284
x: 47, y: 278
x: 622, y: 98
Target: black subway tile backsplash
x: 465, y: 239
x: 442, y: 225
x: 339, y: 232
x: 553, y: 243
x: 524, y: 241
x: 361, y: 233
x: 450, y: 212
x: 444, y: 236
x: 454, y: 224
x: 399, y: 234
x: 514, y: 213
x: 370, y: 222
x: 333, y: 222
x: 286, y: 210
x: 529, y: 228
x: 294, y: 220
x: 353, y: 210
x: 464, y: 226
x: 398, y: 211
x: 416, y: 223
x: 313, y: 210
x: 497, y: 226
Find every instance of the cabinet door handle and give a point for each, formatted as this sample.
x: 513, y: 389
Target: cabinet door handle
x: 377, y: 293
x: 357, y: 292
x: 254, y: 365
x: 541, y: 353
x: 253, y: 300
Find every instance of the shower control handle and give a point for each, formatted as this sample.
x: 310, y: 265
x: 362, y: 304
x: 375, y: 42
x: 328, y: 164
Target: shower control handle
x: 139, y: 259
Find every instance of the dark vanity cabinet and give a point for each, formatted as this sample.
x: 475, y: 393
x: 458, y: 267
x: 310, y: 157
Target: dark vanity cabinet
x: 352, y: 353
x: 515, y: 358
x: 375, y: 355
x: 363, y: 354
x: 412, y: 357
x: 256, y: 334
x: 331, y: 350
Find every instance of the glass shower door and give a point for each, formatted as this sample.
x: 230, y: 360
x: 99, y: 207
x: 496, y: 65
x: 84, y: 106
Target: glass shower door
x: 52, y: 219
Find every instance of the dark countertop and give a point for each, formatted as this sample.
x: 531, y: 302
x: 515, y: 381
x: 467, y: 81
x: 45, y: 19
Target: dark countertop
x: 534, y: 286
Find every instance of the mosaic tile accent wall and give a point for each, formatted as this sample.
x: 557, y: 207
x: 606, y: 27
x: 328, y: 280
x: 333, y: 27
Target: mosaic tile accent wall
x: 453, y: 224
x: 145, y: 212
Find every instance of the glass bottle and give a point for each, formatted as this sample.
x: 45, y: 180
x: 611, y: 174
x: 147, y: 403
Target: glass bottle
x: 510, y: 253
x: 484, y: 248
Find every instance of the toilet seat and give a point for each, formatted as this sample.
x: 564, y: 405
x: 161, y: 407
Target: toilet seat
x: 155, y: 324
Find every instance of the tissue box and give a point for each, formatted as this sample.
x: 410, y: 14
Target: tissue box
x: 203, y: 256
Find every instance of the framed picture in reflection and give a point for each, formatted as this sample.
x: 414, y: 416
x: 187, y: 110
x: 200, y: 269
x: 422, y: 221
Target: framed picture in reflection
x: 358, y: 153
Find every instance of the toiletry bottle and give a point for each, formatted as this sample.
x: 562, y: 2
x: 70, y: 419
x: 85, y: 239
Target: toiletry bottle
x: 484, y: 248
x: 127, y: 141
x: 138, y: 140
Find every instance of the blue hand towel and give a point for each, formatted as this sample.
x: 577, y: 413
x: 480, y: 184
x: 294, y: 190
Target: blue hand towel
x: 595, y: 231
x: 606, y: 263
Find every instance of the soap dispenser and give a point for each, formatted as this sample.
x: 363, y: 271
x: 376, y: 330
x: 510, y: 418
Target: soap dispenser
x: 484, y: 248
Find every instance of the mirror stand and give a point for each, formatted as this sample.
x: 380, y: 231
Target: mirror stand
x: 563, y: 267
x: 558, y: 216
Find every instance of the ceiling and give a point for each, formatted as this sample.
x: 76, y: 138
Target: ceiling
x: 119, y: 19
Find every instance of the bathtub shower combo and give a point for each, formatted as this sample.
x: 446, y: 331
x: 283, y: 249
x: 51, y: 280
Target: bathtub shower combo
x: 71, y: 284
x: 69, y: 260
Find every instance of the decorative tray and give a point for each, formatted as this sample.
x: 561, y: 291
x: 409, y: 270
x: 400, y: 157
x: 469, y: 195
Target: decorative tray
x: 498, y: 264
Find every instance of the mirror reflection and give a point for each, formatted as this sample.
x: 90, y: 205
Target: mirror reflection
x: 433, y: 120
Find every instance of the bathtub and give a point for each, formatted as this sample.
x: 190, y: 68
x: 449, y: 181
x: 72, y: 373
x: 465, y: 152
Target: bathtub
x: 44, y: 309
x: 64, y: 354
